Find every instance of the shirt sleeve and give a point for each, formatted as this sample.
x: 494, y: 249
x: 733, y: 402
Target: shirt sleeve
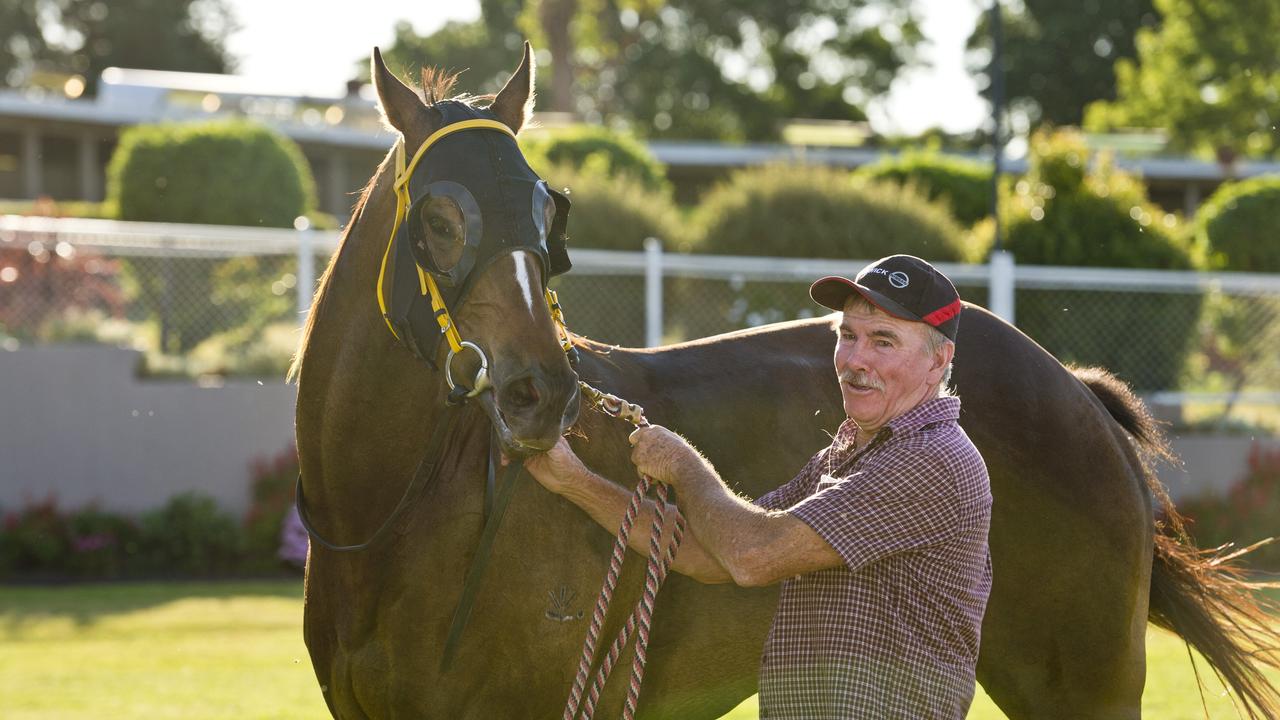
x: 901, y: 504
x: 784, y: 496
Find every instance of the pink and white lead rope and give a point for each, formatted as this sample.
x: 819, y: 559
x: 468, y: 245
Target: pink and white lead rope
x: 656, y: 572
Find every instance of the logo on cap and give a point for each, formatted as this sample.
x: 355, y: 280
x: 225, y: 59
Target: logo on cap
x: 899, y: 279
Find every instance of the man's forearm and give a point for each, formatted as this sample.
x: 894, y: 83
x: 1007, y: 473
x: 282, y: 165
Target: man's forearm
x: 728, y: 528
x: 606, y: 503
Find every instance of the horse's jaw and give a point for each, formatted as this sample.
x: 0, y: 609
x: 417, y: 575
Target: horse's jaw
x: 522, y: 445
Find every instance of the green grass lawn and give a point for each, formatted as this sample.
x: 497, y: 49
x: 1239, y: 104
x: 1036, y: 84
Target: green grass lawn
x: 234, y: 650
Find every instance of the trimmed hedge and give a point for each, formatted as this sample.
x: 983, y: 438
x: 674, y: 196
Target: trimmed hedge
x: 615, y: 212
x: 1063, y: 213
x: 611, y: 213
x: 964, y: 185
x: 1238, y: 227
x: 811, y: 211
x: 598, y: 150
x: 216, y: 173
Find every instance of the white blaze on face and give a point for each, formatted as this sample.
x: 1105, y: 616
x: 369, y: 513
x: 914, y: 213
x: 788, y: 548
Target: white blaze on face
x: 522, y: 277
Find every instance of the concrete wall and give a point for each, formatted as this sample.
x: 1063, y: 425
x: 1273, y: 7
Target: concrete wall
x: 80, y: 423
x: 1210, y: 464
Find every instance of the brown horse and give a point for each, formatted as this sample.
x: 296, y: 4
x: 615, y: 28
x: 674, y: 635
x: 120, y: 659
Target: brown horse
x: 1084, y: 543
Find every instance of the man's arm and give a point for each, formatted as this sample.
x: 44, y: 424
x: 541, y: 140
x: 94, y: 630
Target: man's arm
x: 560, y: 471
x: 756, y: 546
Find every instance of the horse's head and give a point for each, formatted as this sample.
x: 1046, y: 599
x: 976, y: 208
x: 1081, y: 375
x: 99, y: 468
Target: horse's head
x: 480, y: 235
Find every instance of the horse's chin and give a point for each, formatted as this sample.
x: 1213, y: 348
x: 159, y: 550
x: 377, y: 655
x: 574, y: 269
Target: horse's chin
x: 522, y: 446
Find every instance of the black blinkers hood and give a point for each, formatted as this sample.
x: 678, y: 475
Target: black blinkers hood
x: 504, y: 205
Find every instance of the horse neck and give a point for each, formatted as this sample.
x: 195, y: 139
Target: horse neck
x: 366, y: 405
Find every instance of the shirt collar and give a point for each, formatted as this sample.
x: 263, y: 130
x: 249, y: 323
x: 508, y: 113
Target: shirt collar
x: 928, y: 412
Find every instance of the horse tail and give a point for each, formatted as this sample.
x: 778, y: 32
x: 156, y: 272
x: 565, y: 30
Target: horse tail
x: 1201, y: 595
x: 1148, y: 439
x: 1127, y: 409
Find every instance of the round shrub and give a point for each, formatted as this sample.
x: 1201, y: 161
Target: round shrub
x: 1238, y: 226
x: 964, y: 185
x: 805, y: 212
x: 615, y: 212
x: 611, y: 213
x: 810, y: 211
x: 599, y: 150
x: 217, y: 173
x: 1063, y: 214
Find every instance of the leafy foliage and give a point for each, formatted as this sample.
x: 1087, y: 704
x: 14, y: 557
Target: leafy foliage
x: 1063, y: 213
x: 271, y: 491
x: 189, y: 536
x: 468, y: 47
x: 964, y: 185
x: 600, y: 150
x: 215, y: 173
x: 1059, y: 57
x: 615, y: 212
x: 1208, y: 75
x: 657, y: 67
x: 1250, y: 512
x: 86, y: 36
x: 220, y: 173
x: 41, y: 286
x: 809, y: 211
x: 1239, y: 224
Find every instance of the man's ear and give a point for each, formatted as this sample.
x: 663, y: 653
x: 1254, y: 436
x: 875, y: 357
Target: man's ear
x: 943, y: 357
x: 514, y: 102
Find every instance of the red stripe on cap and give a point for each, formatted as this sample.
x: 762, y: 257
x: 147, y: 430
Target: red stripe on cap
x: 941, y: 315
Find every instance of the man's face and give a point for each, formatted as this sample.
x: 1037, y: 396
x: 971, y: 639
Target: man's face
x: 884, y: 366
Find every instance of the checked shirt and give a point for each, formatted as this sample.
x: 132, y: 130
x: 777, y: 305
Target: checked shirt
x: 894, y: 632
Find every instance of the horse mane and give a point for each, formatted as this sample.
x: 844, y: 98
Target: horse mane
x: 436, y: 85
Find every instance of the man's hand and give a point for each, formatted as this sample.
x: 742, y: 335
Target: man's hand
x: 557, y: 468
x: 662, y: 454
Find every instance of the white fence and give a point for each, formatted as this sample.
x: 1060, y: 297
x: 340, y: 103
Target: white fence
x: 1167, y: 332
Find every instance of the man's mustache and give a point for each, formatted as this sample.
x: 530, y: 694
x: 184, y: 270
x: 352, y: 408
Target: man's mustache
x: 863, y: 379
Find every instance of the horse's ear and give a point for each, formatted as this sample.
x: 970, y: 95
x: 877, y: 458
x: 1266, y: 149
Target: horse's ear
x: 401, y: 106
x: 514, y: 103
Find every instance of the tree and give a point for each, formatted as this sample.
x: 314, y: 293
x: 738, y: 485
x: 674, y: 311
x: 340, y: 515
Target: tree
x: 1209, y: 76
x: 693, y: 68
x: 87, y: 36
x: 21, y: 42
x: 1058, y: 57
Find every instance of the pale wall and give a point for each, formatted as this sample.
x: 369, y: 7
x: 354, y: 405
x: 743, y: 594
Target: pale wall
x: 79, y: 422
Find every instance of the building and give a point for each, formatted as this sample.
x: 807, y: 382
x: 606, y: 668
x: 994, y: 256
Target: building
x: 59, y: 147
x: 56, y: 146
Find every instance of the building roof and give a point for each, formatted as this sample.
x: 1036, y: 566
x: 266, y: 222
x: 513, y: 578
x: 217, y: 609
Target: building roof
x: 129, y: 97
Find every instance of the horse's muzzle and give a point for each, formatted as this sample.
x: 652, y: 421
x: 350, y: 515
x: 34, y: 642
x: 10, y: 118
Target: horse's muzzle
x: 531, y: 410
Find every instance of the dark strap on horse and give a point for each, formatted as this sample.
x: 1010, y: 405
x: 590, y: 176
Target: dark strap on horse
x: 475, y: 573
x: 426, y: 469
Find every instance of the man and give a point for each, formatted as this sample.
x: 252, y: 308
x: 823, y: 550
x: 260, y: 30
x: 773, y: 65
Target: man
x: 880, y: 542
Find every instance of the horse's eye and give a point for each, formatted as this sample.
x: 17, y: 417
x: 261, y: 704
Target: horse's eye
x: 439, y: 226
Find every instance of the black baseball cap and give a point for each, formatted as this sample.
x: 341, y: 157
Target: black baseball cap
x: 903, y: 286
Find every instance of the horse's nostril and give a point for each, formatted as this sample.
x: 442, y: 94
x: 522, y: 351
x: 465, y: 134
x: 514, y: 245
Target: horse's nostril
x: 521, y: 393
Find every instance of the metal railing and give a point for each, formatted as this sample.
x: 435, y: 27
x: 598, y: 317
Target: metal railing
x: 212, y: 295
